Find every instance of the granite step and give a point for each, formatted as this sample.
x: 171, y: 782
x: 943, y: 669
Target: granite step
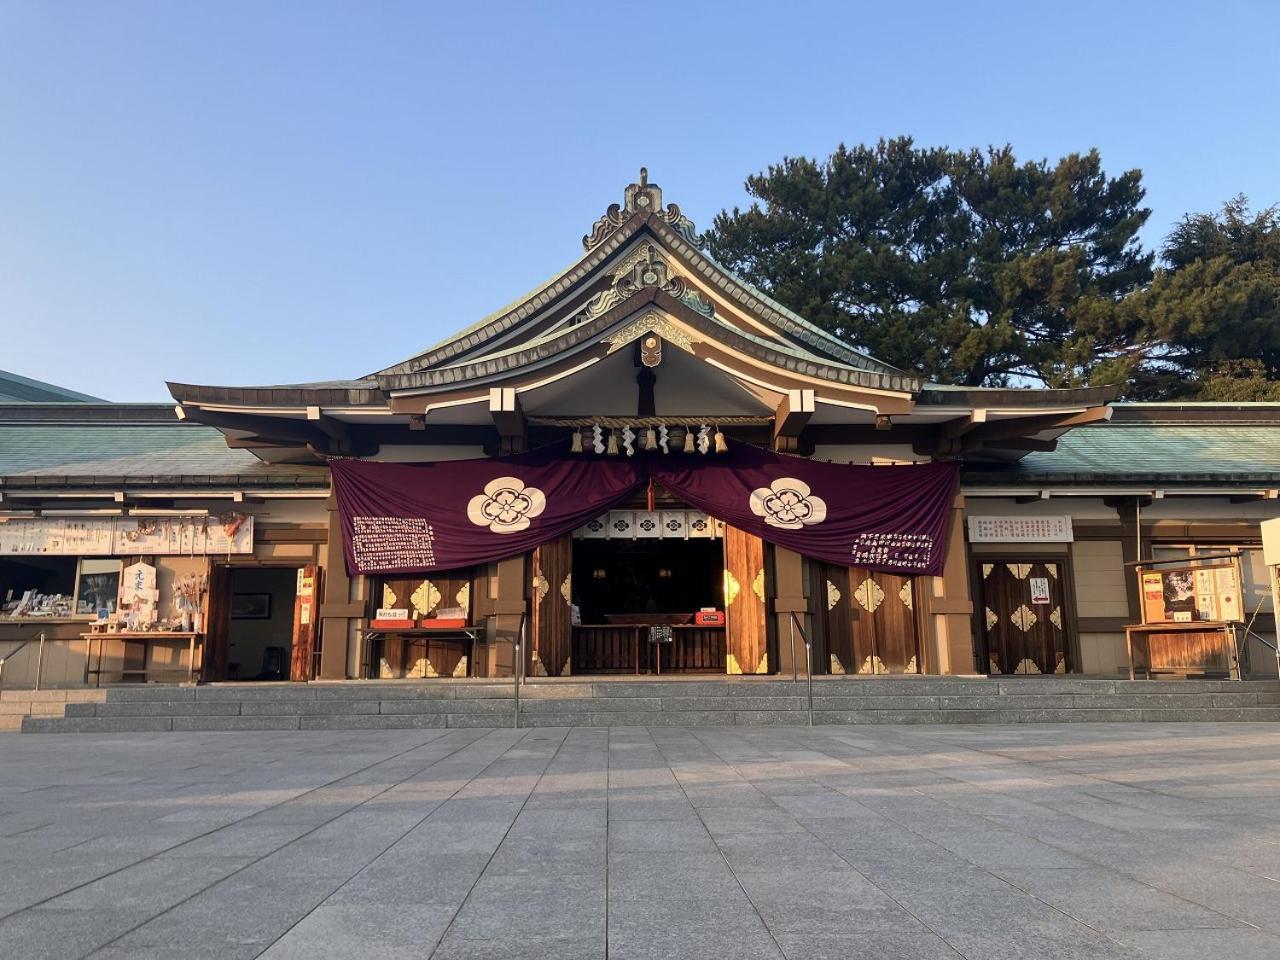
x: 619, y: 702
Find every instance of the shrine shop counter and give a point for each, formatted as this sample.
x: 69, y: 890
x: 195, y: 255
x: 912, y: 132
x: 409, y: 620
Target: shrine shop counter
x: 396, y: 653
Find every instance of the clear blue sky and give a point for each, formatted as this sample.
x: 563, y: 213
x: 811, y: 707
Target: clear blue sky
x: 242, y: 193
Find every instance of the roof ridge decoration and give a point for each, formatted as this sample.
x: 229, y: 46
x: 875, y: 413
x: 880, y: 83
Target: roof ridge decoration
x: 645, y: 198
x: 651, y: 321
x: 640, y: 269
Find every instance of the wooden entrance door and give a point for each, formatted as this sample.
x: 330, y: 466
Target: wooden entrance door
x: 746, y: 629
x: 551, y: 605
x: 1022, y: 616
x: 306, y: 624
x: 869, y: 621
x: 217, y: 623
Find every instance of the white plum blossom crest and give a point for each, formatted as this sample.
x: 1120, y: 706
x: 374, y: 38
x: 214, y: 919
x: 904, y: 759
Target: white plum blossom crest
x: 788, y: 503
x: 506, y: 506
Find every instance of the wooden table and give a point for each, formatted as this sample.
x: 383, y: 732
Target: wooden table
x: 1199, y: 647
x: 469, y: 635
x: 144, y: 637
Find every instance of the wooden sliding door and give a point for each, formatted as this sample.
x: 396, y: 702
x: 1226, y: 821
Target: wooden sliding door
x: 746, y: 640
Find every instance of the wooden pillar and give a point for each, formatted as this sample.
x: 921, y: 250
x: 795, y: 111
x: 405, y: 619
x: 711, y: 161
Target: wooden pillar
x: 789, y: 597
x: 946, y: 605
x: 746, y: 632
x: 550, y: 602
x: 306, y: 622
x: 336, y: 610
x: 1127, y: 511
x: 504, y: 601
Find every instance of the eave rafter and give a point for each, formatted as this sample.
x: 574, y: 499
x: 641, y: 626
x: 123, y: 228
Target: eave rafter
x: 978, y: 431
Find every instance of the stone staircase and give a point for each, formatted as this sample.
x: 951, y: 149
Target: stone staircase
x: 638, y: 702
x: 16, y: 705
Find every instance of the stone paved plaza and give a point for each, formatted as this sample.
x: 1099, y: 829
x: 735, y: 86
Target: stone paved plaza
x: 1031, y: 841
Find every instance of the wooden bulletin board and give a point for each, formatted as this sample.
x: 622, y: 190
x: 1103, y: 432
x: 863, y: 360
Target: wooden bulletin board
x: 1206, y: 592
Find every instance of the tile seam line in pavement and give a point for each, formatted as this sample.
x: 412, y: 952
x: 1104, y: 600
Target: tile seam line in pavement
x: 434, y: 810
x: 97, y: 948
x: 1003, y: 827
x: 892, y: 899
x: 1073, y: 853
x: 503, y: 839
x: 308, y: 833
x: 159, y: 853
x: 929, y: 840
x: 698, y: 813
x: 1057, y: 762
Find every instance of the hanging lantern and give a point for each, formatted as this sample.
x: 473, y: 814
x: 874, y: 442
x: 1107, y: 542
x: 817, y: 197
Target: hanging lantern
x: 688, y: 440
x: 576, y: 445
x: 650, y: 439
x: 613, y: 443
x: 721, y: 445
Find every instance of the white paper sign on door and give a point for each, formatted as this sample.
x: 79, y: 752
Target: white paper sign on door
x: 1039, y: 589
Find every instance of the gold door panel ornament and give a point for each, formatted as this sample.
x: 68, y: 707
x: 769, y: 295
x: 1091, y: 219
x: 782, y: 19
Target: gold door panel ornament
x: 757, y: 586
x: 833, y: 595
x: 731, y: 588
x: 905, y: 595
x: 992, y: 619
x: 540, y: 587
x: 1019, y: 570
x: 869, y: 595
x: 426, y: 598
x: 1023, y: 618
x: 463, y: 600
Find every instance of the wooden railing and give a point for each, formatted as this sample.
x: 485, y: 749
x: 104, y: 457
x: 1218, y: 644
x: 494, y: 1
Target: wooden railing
x: 614, y: 648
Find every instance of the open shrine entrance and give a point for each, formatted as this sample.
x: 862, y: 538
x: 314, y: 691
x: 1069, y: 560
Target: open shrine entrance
x: 649, y: 591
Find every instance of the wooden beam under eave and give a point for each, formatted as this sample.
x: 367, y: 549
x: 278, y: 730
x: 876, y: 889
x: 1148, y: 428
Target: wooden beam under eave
x: 330, y: 427
x: 504, y: 408
x: 1015, y: 428
x: 293, y: 432
x: 1026, y: 444
x: 791, y: 417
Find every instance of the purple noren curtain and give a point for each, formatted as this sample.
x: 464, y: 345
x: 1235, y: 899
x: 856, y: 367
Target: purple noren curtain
x: 416, y: 518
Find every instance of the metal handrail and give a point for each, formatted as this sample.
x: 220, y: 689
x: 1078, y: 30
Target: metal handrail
x: 808, y: 659
x: 17, y: 650
x: 517, y: 674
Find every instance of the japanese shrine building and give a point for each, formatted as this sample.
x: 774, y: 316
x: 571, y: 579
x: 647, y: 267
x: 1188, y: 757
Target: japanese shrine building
x: 646, y: 349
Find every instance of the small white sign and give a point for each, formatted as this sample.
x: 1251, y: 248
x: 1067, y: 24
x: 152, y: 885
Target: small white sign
x: 1020, y: 530
x: 391, y: 613
x: 1039, y: 589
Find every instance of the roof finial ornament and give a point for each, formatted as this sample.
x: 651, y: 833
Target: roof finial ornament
x: 645, y: 199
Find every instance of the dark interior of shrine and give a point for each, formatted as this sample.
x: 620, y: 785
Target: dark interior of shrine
x: 646, y: 576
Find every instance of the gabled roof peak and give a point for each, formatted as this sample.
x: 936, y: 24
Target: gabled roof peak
x: 645, y: 199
